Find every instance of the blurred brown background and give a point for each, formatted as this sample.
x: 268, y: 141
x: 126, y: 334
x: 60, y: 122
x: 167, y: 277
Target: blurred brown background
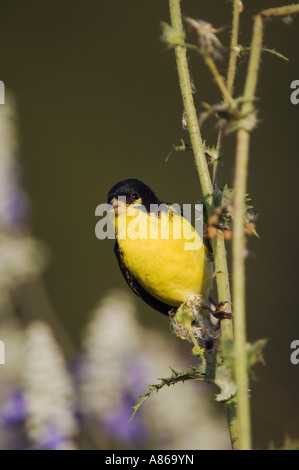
x: 98, y: 102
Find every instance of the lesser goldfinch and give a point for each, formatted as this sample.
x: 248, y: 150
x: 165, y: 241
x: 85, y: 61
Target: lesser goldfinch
x: 158, y: 269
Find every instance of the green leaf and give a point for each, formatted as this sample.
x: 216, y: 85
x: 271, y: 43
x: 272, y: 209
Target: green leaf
x: 264, y: 49
x: 211, y: 372
x: 224, y: 381
x: 274, y: 52
x: 255, y: 354
x: 178, y: 148
x: 192, y: 373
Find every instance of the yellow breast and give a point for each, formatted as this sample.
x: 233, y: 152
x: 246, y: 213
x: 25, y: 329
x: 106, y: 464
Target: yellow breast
x: 165, y: 254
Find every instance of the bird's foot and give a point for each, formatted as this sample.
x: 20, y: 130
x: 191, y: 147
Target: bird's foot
x: 219, y: 311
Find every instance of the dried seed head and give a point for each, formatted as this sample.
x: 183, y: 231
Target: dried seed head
x: 206, y: 32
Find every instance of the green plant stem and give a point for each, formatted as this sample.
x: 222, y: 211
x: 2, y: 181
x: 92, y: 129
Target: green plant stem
x: 188, y: 102
x: 233, y: 48
x: 222, y: 276
x: 253, y: 66
x: 217, y: 163
x: 223, y: 290
x: 214, y: 71
x: 238, y: 244
x: 280, y: 11
x: 238, y: 247
x: 207, y: 189
x: 219, y: 80
x: 231, y: 72
x: 223, y: 286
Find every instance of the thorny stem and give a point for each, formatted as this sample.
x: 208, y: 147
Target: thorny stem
x: 219, y: 80
x: 229, y: 81
x: 222, y: 276
x: 214, y: 71
x: 207, y: 189
x: 253, y: 66
x: 188, y: 102
x: 239, y: 425
x: 233, y: 48
x: 280, y: 11
x: 238, y: 245
x: 217, y: 163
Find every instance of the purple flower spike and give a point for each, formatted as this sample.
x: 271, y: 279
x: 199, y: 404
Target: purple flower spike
x: 14, y: 410
x: 16, y: 209
x: 116, y: 423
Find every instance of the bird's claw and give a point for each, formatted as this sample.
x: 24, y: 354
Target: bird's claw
x: 219, y: 313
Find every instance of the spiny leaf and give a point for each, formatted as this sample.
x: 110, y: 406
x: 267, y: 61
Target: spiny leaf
x: 223, y: 379
x: 217, y: 373
x: 255, y: 354
x: 192, y: 373
x: 213, y: 154
x: 178, y: 148
x: 242, y: 49
x: 274, y: 52
x: 224, y: 199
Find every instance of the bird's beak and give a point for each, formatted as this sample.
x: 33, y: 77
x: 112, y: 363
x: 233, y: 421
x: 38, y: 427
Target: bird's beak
x: 117, y: 206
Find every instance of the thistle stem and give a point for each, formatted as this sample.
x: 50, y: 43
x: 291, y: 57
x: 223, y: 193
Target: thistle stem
x: 238, y: 245
x: 280, y: 11
x: 233, y: 48
x: 229, y: 81
x: 188, y: 102
x: 207, y: 189
x: 219, y: 80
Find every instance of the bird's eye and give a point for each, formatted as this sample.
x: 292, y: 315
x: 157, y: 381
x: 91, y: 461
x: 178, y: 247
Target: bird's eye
x: 135, y: 196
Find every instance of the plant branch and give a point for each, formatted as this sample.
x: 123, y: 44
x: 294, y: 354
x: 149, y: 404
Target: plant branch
x: 238, y: 245
x: 188, y: 102
x: 229, y: 81
x: 219, y: 80
x: 238, y: 248
x: 280, y: 11
x: 214, y: 71
x: 233, y: 48
x: 222, y: 276
x: 207, y: 189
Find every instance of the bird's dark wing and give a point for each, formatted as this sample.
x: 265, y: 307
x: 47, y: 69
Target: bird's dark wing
x: 137, y: 288
x: 208, y: 244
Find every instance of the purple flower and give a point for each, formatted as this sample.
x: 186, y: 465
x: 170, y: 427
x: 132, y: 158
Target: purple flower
x: 14, y: 410
x: 116, y: 423
x: 16, y: 209
x: 53, y: 439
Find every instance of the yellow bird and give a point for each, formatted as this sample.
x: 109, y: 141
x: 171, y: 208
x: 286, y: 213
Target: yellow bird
x: 160, y: 254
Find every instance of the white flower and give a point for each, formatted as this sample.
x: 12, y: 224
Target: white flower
x: 48, y: 389
x: 111, y: 337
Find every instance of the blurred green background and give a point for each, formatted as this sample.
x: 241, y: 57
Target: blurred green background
x: 99, y: 101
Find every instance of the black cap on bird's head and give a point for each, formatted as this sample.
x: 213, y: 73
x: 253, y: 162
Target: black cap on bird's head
x: 133, y: 190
